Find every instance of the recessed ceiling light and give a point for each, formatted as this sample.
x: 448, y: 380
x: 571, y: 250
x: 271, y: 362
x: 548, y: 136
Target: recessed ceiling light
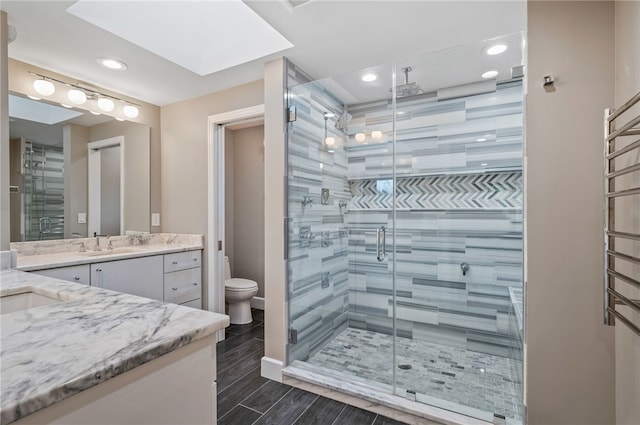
x: 489, y: 74
x: 112, y: 63
x: 367, y: 78
x: 496, y: 49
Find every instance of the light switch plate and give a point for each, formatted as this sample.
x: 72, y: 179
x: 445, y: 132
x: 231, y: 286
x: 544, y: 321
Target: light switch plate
x: 82, y: 218
x: 155, y: 219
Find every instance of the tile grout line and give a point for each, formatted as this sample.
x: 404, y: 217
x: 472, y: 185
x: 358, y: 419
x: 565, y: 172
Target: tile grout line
x: 253, y: 410
x: 343, y: 407
x: 278, y: 401
x: 231, y: 385
x: 239, y: 359
x: 307, y: 408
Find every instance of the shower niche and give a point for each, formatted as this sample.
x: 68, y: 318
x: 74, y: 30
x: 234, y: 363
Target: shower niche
x: 413, y: 286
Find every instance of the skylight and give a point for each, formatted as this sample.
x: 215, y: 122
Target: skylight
x: 203, y: 36
x: 41, y: 112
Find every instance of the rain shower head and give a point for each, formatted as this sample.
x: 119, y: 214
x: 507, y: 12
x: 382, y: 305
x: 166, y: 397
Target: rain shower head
x: 408, y: 89
x: 343, y: 120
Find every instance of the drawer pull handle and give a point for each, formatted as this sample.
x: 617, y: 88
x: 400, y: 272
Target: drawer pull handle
x: 195, y: 259
x: 98, y: 270
x: 174, y: 262
x: 76, y: 278
x: 174, y: 289
x: 195, y: 284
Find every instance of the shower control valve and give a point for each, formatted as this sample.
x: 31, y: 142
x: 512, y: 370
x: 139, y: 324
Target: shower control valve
x: 465, y: 268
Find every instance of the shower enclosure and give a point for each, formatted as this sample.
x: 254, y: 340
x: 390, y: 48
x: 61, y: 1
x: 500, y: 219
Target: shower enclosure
x: 40, y: 200
x: 405, y: 232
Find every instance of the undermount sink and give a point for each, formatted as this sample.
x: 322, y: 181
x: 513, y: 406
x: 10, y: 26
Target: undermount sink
x: 107, y: 252
x: 24, y: 301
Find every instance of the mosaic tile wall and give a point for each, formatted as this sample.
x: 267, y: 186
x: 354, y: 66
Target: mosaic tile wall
x: 318, y: 240
x: 472, y: 215
x: 334, y: 279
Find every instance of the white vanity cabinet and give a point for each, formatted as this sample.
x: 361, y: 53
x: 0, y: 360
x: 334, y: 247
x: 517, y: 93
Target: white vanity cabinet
x: 183, y: 278
x: 141, y: 276
x: 80, y: 274
x: 172, y: 278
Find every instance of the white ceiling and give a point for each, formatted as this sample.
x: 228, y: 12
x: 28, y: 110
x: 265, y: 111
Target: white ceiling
x: 330, y: 38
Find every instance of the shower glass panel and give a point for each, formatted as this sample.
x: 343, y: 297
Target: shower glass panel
x: 405, y: 232
x: 43, y: 197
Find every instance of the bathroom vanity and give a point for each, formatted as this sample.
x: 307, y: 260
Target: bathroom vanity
x: 163, y: 267
x: 74, y: 353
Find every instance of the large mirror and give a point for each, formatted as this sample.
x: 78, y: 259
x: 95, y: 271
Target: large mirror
x: 74, y: 173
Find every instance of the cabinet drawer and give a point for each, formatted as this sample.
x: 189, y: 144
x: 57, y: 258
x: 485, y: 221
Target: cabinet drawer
x: 183, y: 286
x: 182, y: 261
x: 79, y: 274
x: 194, y: 304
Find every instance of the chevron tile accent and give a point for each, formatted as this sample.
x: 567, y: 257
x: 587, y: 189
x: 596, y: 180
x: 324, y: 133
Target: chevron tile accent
x: 491, y: 191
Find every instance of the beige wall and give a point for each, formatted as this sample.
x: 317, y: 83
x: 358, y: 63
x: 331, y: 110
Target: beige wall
x: 5, y: 228
x: 75, y: 139
x: 137, y: 168
x: 20, y: 81
x: 570, y: 365
x: 627, y: 61
x: 184, y: 157
x: 276, y: 309
x: 248, y: 177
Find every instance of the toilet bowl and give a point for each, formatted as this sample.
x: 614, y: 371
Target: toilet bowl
x: 238, y: 293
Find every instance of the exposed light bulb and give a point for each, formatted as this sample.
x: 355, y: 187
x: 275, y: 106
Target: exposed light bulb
x: 330, y: 141
x: 44, y: 87
x: 106, y: 104
x: 376, y: 135
x: 130, y: 111
x: 77, y: 97
x: 360, y: 137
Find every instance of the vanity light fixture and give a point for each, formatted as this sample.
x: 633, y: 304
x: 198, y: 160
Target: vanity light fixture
x: 489, y: 74
x: 360, y: 137
x: 106, y: 104
x: 44, y: 87
x: 130, y: 111
x: 111, y: 63
x: 79, y: 94
x: 77, y: 97
x: 376, y: 135
x: 496, y: 49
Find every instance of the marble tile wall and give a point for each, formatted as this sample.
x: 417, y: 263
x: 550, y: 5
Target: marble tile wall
x: 472, y: 216
x: 318, y: 264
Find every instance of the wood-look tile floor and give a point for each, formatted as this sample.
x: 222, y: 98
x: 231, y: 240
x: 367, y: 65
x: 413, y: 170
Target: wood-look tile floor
x: 245, y: 397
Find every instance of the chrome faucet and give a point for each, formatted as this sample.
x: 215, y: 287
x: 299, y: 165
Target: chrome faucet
x: 97, y: 236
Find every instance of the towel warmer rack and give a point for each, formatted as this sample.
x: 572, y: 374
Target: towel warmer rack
x: 618, y: 143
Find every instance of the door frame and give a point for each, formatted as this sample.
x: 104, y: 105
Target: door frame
x: 93, y: 179
x: 215, y: 201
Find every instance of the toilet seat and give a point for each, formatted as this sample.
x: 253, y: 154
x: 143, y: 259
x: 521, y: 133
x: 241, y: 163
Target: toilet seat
x: 237, y: 284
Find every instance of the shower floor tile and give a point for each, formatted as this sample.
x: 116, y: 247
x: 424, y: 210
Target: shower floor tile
x: 471, y: 379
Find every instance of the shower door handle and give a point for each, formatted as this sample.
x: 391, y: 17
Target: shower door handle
x: 381, y: 242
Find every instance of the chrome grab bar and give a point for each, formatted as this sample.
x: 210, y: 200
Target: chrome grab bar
x: 381, y: 242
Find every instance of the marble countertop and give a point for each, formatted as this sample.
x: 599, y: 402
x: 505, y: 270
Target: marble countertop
x: 63, y: 253
x: 52, y: 352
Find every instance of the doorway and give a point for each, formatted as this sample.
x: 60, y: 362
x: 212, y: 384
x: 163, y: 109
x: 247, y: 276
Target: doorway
x: 106, y: 183
x: 232, y: 121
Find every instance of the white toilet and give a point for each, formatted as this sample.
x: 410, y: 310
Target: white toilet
x: 238, y: 293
